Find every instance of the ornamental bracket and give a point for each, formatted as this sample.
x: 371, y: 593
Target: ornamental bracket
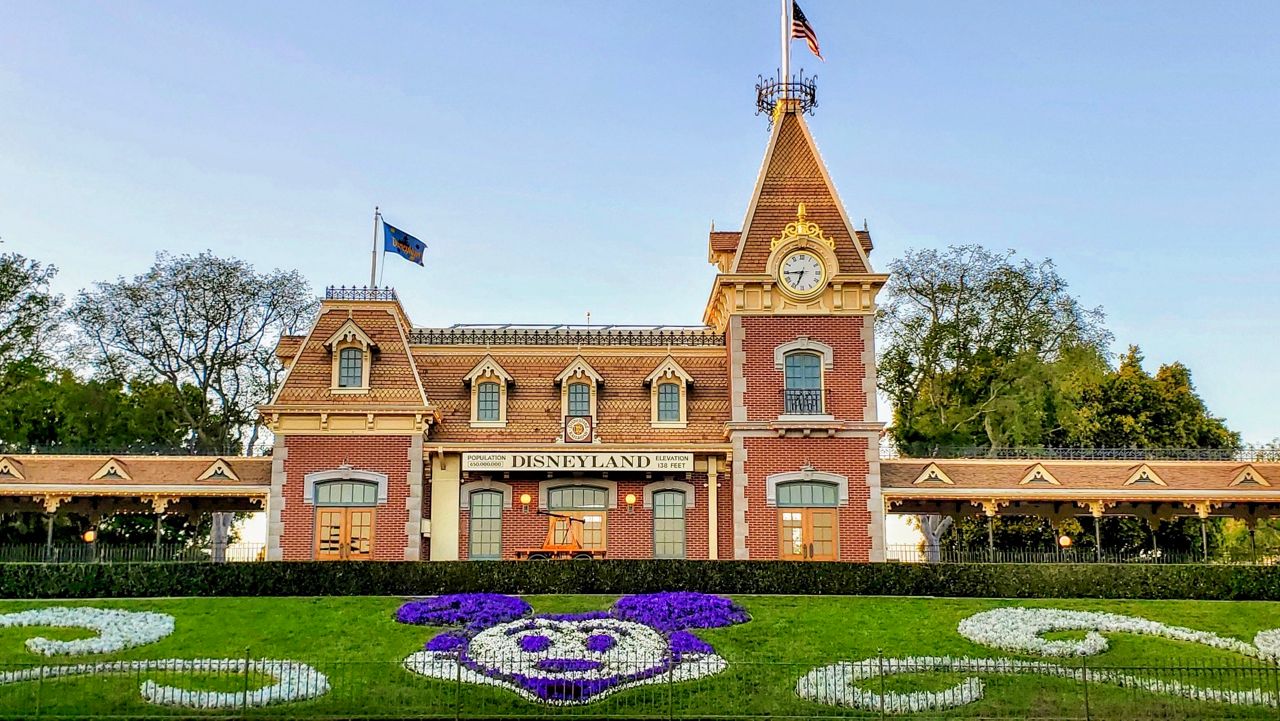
x: 51, y: 501
x: 801, y: 227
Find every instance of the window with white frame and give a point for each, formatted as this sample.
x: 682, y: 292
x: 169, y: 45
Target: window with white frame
x: 669, y: 395
x: 350, y: 368
x: 803, y: 392
x: 668, y: 524
x: 579, y: 399
x: 489, y: 386
x: 485, y: 525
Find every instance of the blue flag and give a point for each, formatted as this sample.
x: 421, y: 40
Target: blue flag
x: 401, y: 243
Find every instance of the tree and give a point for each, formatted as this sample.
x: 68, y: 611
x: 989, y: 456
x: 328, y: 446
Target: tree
x: 29, y: 311
x: 201, y: 321
x: 982, y: 349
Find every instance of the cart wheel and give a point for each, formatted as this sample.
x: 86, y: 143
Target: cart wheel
x: 583, y: 557
x: 539, y: 557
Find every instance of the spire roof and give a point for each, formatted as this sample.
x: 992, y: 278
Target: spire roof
x: 793, y: 173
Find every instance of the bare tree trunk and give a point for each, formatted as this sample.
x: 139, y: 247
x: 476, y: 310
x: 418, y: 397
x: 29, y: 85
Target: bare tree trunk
x: 933, y: 526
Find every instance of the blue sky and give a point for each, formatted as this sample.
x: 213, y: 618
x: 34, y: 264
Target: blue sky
x: 565, y: 157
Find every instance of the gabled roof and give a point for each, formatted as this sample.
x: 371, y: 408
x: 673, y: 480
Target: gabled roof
x: 793, y: 173
x: 933, y: 474
x: 1144, y: 474
x: 10, y: 469
x: 1249, y: 476
x: 668, y: 368
x: 349, y: 332
x: 112, y: 470
x: 1038, y: 474
x: 579, y: 367
x: 219, y: 470
x: 488, y: 367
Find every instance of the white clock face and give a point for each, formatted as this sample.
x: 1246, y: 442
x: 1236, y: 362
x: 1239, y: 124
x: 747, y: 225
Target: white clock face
x: 802, y: 271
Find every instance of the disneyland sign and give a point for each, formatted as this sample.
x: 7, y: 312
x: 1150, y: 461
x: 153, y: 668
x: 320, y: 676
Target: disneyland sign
x: 536, y: 461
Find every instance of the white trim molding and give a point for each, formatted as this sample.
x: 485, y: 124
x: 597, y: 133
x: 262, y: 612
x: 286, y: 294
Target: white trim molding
x: 343, y: 473
x: 485, y: 484
x: 803, y: 343
x: 669, y: 484
x: 805, y: 474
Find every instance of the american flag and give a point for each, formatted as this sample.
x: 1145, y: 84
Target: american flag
x: 800, y: 28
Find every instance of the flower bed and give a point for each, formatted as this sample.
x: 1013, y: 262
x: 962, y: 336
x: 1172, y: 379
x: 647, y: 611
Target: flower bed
x: 118, y: 630
x: 569, y: 659
x: 1019, y: 630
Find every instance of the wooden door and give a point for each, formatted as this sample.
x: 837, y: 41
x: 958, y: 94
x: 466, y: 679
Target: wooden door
x: 360, y: 534
x: 807, y: 534
x: 344, y: 534
x: 329, y: 534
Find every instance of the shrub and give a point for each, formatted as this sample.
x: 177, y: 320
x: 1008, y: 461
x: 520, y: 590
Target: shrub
x: 125, y: 580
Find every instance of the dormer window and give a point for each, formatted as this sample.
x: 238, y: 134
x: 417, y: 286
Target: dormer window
x: 669, y: 395
x: 579, y: 389
x: 352, y: 357
x: 489, y: 382
x: 350, y: 368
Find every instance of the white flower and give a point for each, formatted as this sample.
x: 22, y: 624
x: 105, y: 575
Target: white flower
x: 117, y: 629
x: 836, y: 684
x: 1019, y: 630
x: 294, y: 681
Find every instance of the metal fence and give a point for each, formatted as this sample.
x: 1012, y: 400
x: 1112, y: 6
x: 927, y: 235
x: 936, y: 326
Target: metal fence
x: 131, y: 553
x: 658, y: 687
x: 923, y: 553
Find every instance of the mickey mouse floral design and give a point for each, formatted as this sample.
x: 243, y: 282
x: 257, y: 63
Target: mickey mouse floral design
x: 569, y: 659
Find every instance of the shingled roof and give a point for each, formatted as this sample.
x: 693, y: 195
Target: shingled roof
x: 793, y: 173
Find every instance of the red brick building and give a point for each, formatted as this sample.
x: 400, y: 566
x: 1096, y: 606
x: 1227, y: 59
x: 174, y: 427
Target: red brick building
x: 753, y: 436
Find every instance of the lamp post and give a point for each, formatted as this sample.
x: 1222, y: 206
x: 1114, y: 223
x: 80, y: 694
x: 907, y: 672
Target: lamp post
x: 91, y: 537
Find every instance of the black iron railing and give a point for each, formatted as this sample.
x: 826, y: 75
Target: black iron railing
x: 359, y: 293
x: 106, y: 552
x: 925, y: 553
x: 568, y: 335
x: 803, y: 401
x: 798, y: 88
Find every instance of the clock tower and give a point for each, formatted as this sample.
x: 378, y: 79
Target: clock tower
x: 795, y: 298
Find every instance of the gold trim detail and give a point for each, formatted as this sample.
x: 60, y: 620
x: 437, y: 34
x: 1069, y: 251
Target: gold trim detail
x: 112, y: 470
x: 801, y: 227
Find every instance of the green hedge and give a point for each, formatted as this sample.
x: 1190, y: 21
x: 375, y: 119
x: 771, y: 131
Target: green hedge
x: 124, y: 580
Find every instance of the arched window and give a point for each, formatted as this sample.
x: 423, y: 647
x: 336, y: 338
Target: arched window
x: 346, y: 493
x: 351, y: 368
x: 803, y: 389
x: 579, y: 399
x: 668, y: 524
x: 488, y: 402
x: 580, y: 516
x: 808, y: 494
x: 668, y: 402
x: 485, y: 525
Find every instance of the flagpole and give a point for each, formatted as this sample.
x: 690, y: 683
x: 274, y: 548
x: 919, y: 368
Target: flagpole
x: 373, y: 259
x: 786, y: 45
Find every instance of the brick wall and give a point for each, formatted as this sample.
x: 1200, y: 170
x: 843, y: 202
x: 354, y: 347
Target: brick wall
x: 628, y: 534
x: 845, y: 456
x: 384, y: 454
x: 846, y: 396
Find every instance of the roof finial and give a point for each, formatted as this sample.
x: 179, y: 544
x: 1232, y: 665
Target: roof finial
x: 800, y: 212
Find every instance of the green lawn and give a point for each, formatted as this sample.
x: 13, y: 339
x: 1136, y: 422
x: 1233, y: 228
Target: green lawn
x: 356, y: 642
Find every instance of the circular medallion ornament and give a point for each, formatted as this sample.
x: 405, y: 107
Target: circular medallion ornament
x: 802, y: 273
x: 578, y: 430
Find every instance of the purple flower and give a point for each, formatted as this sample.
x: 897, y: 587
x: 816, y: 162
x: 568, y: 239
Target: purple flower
x: 683, y: 642
x: 534, y: 643
x: 447, y: 641
x: 679, y: 610
x: 600, y: 642
x: 475, y: 611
